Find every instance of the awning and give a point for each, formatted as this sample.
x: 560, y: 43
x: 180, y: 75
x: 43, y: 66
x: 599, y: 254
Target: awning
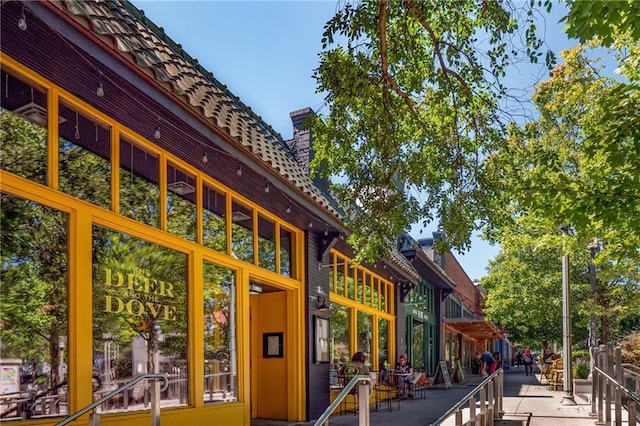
x: 476, y: 328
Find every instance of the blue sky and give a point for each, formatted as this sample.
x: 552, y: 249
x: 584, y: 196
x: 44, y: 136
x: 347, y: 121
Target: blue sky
x: 266, y: 51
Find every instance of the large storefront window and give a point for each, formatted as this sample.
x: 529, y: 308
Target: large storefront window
x: 33, y: 309
x: 23, y: 129
x: 84, y: 157
x: 220, y: 354
x: 367, y: 297
x: 139, y: 318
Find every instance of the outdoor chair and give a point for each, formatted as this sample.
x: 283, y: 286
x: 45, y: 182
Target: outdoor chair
x: 350, y: 402
x: 556, y: 375
x: 420, y: 384
x: 387, y: 390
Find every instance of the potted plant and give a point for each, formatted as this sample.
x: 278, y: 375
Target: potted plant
x: 581, y: 382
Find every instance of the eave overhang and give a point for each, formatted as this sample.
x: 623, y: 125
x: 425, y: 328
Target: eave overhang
x: 475, y: 328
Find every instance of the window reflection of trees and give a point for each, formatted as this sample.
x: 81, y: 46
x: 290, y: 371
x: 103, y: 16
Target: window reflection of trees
x: 84, y: 157
x: 242, y: 232
x: 339, y: 322
x: 383, y: 341
x: 33, y: 285
x: 365, y: 335
x: 139, y: 191
x: 266, y: 243
x: 181, y: 206
x: 286, y: 250
x: 139, y: 306
x: 214, y: 227
x: 220, y: 356
x: 23, y: 150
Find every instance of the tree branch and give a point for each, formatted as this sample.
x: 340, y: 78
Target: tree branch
x: 384, y: 63
x: 436, y: 45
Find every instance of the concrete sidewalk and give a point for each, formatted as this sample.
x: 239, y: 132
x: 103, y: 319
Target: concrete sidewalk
x: 525, y: 394
x: 522, y: 395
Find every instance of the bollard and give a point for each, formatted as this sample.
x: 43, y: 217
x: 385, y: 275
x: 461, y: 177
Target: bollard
x: 490, y: 412
x: 620, y: 378
x: 601, y: 365
x: 608, y: 393
x: 483, y: 406
x: 472, y: 411
x: 364, y: 390
x: 594, y: 380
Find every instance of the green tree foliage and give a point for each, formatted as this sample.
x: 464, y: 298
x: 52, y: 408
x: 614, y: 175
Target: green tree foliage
x: 579, y: 164
x: 524, y: 285
x: 417, y: 112
x: 603, y: 20
x: 567, y: 167
x: 415, y: 98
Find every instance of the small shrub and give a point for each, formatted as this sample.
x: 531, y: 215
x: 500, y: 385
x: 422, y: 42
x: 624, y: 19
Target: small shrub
x: 580, y: 356
x: 581, y: 371
x: 631, y: 349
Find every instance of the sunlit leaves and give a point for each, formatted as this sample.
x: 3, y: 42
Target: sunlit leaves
x: 413, y: 90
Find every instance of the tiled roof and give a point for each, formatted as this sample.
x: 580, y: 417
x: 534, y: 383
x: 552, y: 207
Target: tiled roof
x: 146, y: 46
x: 401, y: 261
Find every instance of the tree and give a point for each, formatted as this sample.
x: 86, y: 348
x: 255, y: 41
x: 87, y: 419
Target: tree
x: 416, y: 97
x: 524, y: 285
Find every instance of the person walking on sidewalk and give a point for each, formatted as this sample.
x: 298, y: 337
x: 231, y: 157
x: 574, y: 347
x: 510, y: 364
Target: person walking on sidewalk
x: 527, y: 358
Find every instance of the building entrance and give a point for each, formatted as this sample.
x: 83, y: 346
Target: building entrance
x: 269, y: 354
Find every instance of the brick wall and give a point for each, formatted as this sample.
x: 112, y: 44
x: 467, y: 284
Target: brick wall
x: 465, y: 289
x: 317, y: 374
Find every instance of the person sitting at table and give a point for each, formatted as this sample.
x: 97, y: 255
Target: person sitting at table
x: 354, y: 367
x: 404, y: 371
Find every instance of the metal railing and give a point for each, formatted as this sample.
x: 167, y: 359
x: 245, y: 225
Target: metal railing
x: 155, y: 399
x: 364, y: 392
x: 607, y: 390
x: 491, y: 392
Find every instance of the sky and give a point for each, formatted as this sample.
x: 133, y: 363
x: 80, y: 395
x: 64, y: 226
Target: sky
x: 266, y: 51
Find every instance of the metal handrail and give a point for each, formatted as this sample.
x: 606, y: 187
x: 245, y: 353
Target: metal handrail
x: 618, y: 385
x: 466, y: 399
x: 115, y: 392
x: 342, y: 395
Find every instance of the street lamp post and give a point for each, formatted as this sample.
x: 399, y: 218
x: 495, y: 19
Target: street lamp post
x: 593, y: 325
x: 567, y: 399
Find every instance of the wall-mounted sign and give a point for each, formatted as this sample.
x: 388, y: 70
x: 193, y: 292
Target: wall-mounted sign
x: 272, y: 344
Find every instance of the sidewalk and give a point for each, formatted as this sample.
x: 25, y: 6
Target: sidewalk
x: 522, y: 395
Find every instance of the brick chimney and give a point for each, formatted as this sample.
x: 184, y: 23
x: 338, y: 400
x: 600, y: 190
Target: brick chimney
x: 301, y: 146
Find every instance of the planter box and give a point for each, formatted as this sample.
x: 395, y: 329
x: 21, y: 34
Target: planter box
x: 582, y: 386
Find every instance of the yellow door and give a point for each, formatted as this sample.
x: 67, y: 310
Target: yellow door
x: 269, y: 391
